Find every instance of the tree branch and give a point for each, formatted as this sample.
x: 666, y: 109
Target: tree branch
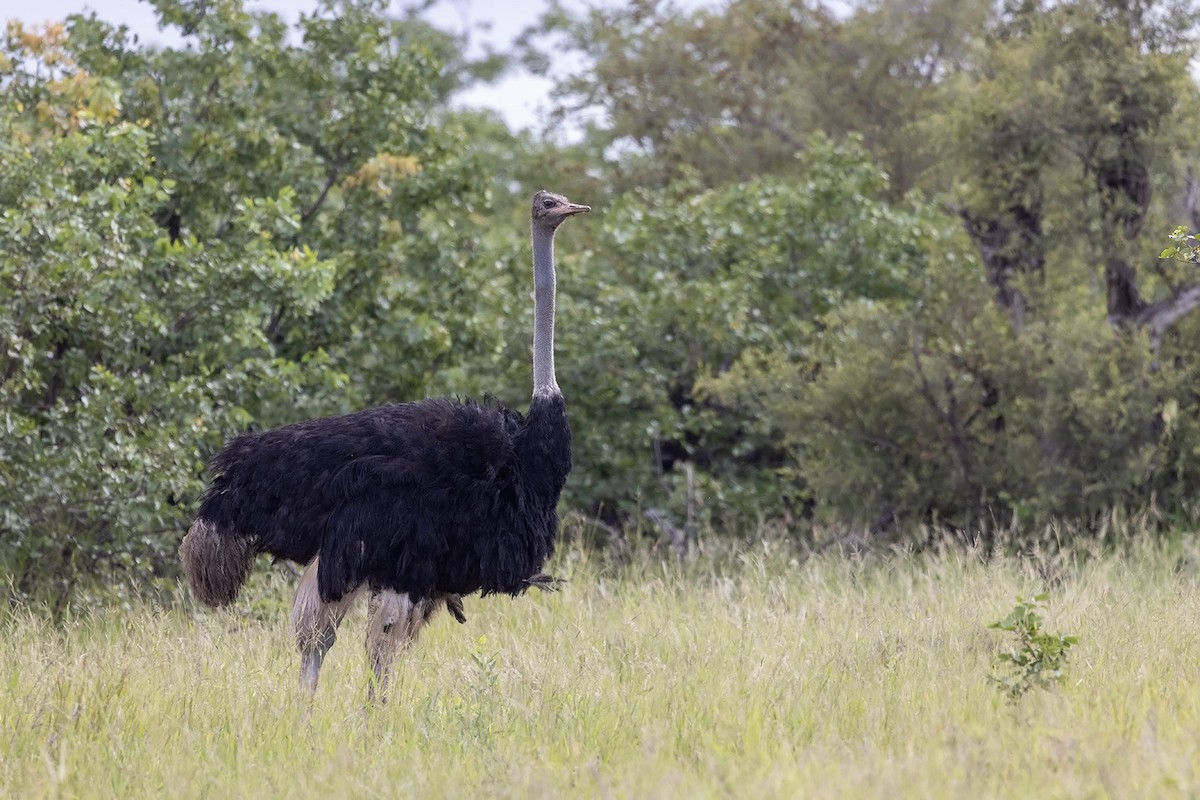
x: 1159, y: 317
x: 320, y: 201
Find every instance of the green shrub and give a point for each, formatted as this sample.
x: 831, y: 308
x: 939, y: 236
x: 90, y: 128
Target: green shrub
x: 1034, y: 658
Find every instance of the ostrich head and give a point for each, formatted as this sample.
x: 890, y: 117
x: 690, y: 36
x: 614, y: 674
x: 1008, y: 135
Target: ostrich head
x: 550, y: 209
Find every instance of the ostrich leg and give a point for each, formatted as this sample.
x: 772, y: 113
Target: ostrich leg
x: 315, y: 625
x: 393, y: 623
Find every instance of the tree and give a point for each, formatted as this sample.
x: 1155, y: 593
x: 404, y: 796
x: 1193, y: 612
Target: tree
x: 352, y: 121
x: 733, y: 92
x: 1068, y: 101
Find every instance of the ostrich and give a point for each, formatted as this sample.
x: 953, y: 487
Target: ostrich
x: 421, y: 503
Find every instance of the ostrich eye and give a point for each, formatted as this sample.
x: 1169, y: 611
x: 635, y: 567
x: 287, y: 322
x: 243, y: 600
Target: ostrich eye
x: 548, y: 203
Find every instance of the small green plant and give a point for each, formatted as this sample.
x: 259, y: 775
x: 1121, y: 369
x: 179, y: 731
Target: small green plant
x: 1184, y: 246
x: 1036, y: 659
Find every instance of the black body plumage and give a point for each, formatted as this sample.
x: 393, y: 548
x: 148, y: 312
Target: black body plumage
x: 421, y: 498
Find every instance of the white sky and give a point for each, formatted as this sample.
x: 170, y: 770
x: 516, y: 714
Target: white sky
x: 519, y: 96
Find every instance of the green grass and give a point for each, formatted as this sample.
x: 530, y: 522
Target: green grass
x: 831, y: 677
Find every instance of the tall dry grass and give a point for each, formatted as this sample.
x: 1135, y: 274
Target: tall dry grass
x: 767, y: 677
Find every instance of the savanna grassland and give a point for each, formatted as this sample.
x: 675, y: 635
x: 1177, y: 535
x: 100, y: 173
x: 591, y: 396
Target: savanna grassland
x: 773, y: 676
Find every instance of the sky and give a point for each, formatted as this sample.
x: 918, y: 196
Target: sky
x: 521, y: 98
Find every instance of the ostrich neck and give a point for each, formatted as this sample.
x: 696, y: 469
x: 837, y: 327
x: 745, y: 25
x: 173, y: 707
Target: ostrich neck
x: 544, y: 382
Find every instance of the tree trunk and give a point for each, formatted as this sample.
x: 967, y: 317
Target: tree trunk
x: 1124, y: 300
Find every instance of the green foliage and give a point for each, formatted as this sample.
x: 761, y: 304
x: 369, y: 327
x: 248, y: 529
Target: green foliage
x: 1035, y: 659
x: 730, y: 92
x: 997, y: 381
x: 347, y: 122
x: 125, y: 355
x: 1183, y: 247
x: 682, y: 286
x: 937, y: 411
x: 1065, y: 135
x: 240, y: 233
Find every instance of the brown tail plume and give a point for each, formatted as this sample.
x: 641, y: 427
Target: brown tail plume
x: 216, y: 562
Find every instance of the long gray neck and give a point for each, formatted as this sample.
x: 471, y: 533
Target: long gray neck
x: 543, y: 313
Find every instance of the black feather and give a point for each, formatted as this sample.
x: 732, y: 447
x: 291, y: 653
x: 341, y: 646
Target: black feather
x: 432, y: 497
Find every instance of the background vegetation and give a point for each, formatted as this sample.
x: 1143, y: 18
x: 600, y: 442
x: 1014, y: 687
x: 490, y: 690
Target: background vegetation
x: 856, y: 277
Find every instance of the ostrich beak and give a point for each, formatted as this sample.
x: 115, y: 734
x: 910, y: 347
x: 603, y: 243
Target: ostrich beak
x: 575, y: 208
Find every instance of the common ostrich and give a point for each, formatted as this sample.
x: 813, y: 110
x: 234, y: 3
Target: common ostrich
x: 419, y: 503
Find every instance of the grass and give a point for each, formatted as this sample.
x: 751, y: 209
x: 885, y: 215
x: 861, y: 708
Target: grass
x: 770, y: 678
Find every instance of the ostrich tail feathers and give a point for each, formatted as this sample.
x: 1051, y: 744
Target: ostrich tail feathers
x: 216, y: 561
x: 454, y: 605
